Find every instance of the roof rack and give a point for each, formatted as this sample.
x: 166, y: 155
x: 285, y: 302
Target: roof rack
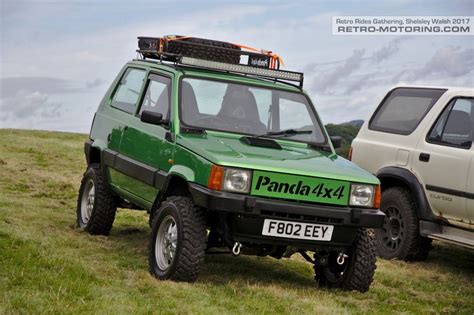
x: 216, y: 55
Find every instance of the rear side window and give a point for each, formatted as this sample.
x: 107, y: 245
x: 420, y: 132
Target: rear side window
x: 128, y: 91
x: 454, y: 126
x: 403, y: 109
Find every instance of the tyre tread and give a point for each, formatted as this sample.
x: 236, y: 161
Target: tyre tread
x: 105, y: 207
x: 360, y: 274
x: 416, y: 247
x: 193, y: 243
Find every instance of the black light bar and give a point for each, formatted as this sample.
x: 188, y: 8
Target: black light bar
x: 238, y: 68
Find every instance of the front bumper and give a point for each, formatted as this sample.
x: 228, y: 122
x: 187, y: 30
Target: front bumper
x: 249, y: 205
x: 247, y: 214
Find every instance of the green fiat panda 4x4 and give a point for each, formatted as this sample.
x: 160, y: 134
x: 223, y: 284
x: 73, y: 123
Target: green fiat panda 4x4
x: 225, y: 150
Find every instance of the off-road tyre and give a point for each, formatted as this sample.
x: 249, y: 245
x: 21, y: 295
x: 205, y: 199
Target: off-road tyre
x: 357, y: 272
x: 216, y: 53
x: 104, y: 205
x: 400, y: 207
x: 190, y: 221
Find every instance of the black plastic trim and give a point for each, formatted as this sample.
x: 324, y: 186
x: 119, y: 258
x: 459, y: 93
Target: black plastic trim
x: 424, y: 209
x: 138, y: 170
x: 229, y: 202
x: 87, y: 150
x: 135, y: 169
x: 161, y: 179
x: 247, y: 228
x: 427, y: 228
x: 108, y: 157
x: 449, y: 191
x: 261, y: 142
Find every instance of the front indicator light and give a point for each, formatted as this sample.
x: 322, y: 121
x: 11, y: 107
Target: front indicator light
x: 378, y: 197
x: 215, y: 178
x: 362, y: 195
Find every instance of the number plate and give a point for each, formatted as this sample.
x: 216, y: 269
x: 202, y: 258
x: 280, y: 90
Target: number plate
x: 297, y: 230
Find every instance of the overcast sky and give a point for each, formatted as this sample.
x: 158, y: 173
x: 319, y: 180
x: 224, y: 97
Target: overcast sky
x: 59, y: 57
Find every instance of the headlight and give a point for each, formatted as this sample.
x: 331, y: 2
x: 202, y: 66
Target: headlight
x: 362, y: 195
x: 236, y: 180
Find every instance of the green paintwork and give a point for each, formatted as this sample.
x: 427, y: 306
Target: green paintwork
x: 122, y: 181
x: 294, y: 158
x: 190, y: 166
x: 191, y: 156
x: 303, y: 188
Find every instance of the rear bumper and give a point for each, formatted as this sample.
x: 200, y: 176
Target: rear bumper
x: 247, y: 214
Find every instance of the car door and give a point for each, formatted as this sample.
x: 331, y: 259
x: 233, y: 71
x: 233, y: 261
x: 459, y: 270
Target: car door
x: 122, y: 108
x: 146, y: 150
x: 470, y: 191
x: 442, y: 160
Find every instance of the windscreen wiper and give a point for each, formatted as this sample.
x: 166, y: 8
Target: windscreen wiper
x: 285, y: 133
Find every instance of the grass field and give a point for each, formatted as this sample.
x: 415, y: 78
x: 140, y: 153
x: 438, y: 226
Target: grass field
x: 48, y: 266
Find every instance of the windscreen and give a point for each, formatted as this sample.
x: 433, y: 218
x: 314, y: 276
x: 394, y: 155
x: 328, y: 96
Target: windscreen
x: 239, y: 108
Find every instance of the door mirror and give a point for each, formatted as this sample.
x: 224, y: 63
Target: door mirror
x: 150, y: 117
x: 336, y: 141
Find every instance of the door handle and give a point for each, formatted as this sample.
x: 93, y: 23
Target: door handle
x: 424, y: 157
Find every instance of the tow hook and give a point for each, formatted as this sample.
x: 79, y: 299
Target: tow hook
x: 236, y: 249
x: 341, y: 258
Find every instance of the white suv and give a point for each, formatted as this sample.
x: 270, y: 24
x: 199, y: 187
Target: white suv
x: 419, y: 144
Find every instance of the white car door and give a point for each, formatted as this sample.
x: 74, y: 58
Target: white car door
x: 470, y: 191
x: 443, y: 158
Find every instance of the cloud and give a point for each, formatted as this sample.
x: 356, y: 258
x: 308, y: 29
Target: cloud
x: 25, y: 104
x: 12, y: 8
x: 94, y: 83
x: 25, y: 97
x: 389, y: 50
x: 360, y: 81
x: 87, y: 44
x: 449, y: 62
x: 327, y: 82
x: 342, y: 75
x: 10, y: 86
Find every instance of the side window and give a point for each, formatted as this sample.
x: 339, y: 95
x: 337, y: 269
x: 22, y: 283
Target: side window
x: 454, y: 126
x: 128, y: 91
x: 403, y: 109
x: 157, y: 96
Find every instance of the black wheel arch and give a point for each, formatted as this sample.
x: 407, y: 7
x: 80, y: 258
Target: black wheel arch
x: 167, y: 184
x: 396, y: 176
x: 171, y: 185
x: 93, y: 154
